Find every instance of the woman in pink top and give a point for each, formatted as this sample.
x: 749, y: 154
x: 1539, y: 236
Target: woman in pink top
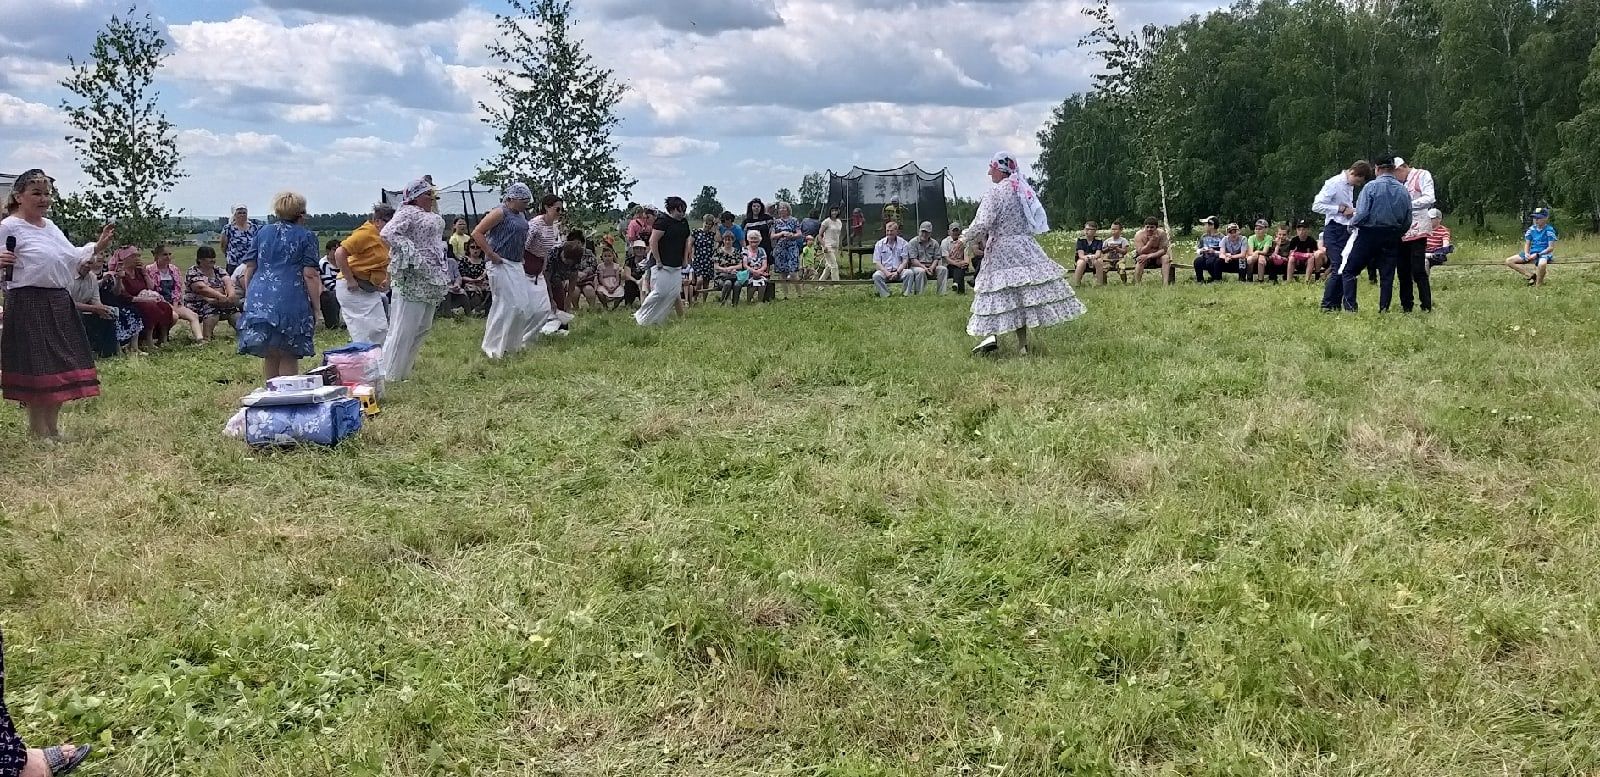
x: 166, y: 279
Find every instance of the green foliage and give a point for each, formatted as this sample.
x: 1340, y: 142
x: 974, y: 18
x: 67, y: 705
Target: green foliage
x: 1202, y: 531
x: 783, y: 195
x: 813, y: 191
x: 1244, y: 111
x: 705, y: 204
x: 554, y: 129
x: 124, y: 143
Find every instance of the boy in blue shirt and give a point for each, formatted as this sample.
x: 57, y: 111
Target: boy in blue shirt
x: 1208, y: 254
x: 1538, y: 249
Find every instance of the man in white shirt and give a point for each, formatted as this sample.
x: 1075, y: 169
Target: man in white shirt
x: 890, y: 257
x: 831, y: 237
x: 1337, y: 203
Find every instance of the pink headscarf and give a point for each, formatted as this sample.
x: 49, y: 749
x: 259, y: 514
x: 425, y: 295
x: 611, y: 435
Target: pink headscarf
x: 121, y: 255
x: 1016, y: 176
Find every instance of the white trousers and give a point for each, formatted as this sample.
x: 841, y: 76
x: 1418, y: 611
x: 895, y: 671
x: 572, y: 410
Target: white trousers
x: 666, y: 283
x: 518, y: 308
x: 363, y: 314
x: 830, y: 264
x: 412, y: 320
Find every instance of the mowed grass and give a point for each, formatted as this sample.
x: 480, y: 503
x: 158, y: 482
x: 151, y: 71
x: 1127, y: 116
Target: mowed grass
x: 1203, y: 530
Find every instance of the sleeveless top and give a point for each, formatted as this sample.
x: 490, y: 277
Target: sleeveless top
x: 508, y: 237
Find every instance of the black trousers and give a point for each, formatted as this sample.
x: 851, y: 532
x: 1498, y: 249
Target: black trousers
x: 958, y: 279
x: 330, y: 309
x: 1207, y: 265
x: 102, y: 334
x: 1414, y: 272
x: 1372, y: 247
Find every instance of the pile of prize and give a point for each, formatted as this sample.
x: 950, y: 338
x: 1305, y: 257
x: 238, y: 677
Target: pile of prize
x: 322, y: 407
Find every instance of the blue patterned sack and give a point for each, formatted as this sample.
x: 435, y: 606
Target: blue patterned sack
x: 321, y: 423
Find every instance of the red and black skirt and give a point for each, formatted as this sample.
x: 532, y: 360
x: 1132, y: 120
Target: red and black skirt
x: 44, y: 352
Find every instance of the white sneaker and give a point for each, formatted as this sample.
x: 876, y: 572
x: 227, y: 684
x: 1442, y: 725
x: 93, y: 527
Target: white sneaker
x: 990, y: 344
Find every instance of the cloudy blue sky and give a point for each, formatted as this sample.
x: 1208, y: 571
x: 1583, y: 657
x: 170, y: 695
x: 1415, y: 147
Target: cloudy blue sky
x: 335, y: 98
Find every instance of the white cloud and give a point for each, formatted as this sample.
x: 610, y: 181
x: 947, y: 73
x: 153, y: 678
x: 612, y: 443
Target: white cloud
x: 366, y: 146
x: 235, y: 146
x: 681, y: 146
x: 18, y: 116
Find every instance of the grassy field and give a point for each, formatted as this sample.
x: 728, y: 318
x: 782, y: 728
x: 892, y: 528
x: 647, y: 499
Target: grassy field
x: 1204, y: 530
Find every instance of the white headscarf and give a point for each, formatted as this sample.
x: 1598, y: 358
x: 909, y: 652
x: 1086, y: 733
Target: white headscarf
x: 416, y: 189
x: 1018, y: 180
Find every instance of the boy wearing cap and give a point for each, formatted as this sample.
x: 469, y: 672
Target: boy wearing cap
x: 1538, y: 249
x: 1302, y: 250
x: 1116, y: 247
x: 1090, y: 252
x: 1236, y: 253
x: 1208, y: 254
x: 1259, y: 247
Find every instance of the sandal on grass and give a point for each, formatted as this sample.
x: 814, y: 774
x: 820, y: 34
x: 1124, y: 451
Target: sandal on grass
x: 59, y: 764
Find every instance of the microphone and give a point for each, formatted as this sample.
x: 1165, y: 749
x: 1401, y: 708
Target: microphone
x: 11, y: 247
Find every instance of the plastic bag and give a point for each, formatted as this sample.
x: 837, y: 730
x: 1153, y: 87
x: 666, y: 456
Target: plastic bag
x: 357, y: 364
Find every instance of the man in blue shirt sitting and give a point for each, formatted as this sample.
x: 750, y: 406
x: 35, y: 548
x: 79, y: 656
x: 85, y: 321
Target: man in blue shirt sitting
x: 1383, y: 214
x: 1538, y: 248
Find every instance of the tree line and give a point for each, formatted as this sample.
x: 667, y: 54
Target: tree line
x: 1243, y: 112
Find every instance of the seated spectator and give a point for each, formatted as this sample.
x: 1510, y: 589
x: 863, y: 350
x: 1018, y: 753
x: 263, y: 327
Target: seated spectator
x: 582, y: 284
x: 1277, y: 259
x: 889, y: 254
x: 454, y: 304
x: 129, y: 326
x: 155, y: 312
x: 166, y: 280
x: 99, y: 319
x: 1235, y: 253
x: 728, y: 263
x: 643, y: 222
x: 608, y: 275
x: 1439, y: 246
x: 893, y: 211
x: 1258, y: 252
x: 1208, y: 253
x: 924, y: 259
x: 475, y: 279
x: 210, y: 294
x: 1302, y: 251
x: 1116, y: 247
x: 1538, y: 249
x: 1152, y: 249
x: 955, y: 258
x: 328, y: 270
x: 633, y: 271
x: 1089, y: 253
x: 756, y: 268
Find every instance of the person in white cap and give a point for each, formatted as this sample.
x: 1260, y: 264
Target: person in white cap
x: 1020, y: 287
x: 1413, y: 265
x: 1439, y: 245
x: 924, y: 258
x: 518, y: 303
x: 237, y: 238
x: 419, y: 277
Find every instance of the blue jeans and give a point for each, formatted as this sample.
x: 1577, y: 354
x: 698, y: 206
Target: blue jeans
x: 1334, y: 238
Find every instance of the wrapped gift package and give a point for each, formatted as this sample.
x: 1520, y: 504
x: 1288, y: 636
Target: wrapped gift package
x: 263, y: 397
x: 320, y: 423
x: 295, y: 383
x: 358, y: 364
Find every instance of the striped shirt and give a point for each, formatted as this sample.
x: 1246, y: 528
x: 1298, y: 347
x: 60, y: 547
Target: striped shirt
x: 1437, y: 238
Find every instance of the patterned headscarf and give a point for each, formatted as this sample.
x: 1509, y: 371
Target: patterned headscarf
x: 416, y: 189
x: 121, y: 256
x: 519, y: 191
x: 1017, y: 177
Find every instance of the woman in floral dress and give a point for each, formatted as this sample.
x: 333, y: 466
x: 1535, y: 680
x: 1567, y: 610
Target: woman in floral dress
x: 787, y: 240
x: 283, y: 291
x: 418, y: 276
x: 705, y: 249
x: 1019, y: 287
x: 209, y: 293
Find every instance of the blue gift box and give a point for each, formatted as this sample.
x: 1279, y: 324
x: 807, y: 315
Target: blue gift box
x: 321, y: 423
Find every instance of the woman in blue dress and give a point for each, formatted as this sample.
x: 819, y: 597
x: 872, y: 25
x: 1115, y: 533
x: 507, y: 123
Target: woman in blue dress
x: 283, y: 296
x: 787, y: 240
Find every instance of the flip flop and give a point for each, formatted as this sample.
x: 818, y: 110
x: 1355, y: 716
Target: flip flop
x: 60, y: 765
